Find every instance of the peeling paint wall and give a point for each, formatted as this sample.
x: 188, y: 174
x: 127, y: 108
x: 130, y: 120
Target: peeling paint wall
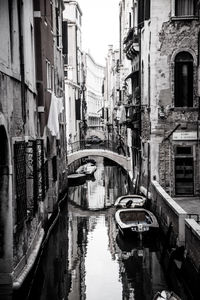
x: 162, y: 37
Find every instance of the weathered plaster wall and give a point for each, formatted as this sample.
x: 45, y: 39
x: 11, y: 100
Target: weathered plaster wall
x: 161, y: 39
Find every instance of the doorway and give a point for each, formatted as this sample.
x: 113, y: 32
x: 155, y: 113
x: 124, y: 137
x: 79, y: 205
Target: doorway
x: 184, y: 171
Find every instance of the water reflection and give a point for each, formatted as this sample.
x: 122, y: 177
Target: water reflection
x: 86, y: 258
x: 50, y: 278
x: 98, y: 194
x: 139, y: 268
x: 102, y: 264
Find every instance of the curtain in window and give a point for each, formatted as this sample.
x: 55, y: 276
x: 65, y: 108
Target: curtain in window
x: 184, y: 7
x: 183, y: 80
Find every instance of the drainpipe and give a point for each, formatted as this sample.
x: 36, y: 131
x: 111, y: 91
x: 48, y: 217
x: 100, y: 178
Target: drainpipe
x: 140, y: 125
x: 21, y: 57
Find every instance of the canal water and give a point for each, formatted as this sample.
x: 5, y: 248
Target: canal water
x: 86, y: 258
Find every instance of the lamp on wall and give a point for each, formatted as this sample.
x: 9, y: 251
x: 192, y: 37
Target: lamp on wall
x: 161, y: 112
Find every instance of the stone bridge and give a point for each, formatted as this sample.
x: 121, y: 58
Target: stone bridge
x: 123, y: 161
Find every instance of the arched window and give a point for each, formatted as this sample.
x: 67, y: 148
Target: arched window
x: 183, y: 80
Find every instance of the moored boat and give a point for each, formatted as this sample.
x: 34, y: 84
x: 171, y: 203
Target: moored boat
x: 130, y: 201
x: 136, y: 220
x: 76, y: 179
x: 166, y: 295
x: 87, y: 169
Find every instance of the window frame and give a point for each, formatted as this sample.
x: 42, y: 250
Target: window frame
x: 179, y: 80
x: 178, y: 15
x: 49, y: 75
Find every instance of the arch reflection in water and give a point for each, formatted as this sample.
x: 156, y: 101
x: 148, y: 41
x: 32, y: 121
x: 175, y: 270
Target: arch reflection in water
x: 85, y: 258
x: 101, y: 264
x: 109, y: 183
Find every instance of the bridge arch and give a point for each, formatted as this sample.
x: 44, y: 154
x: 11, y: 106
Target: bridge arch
x: 123, y: 161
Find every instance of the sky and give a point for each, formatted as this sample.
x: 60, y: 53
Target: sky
x: 100, y: 27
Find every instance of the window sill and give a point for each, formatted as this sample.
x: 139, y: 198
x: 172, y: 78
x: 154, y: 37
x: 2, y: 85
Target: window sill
x: 184, y: 18
x: 185, y: 109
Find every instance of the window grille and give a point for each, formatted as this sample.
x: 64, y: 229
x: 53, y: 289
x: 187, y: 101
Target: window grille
x: 40, y: 171
x: 31, y: 177
x: 31, y: 168
x: 20, y: 181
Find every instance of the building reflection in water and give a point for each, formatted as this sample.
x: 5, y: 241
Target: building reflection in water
x: 101, y: 264
x: 50, y: 272
x: 86, y: 258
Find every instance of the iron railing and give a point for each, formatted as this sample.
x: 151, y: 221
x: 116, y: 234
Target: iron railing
x: 20, y: 181
x: 104, y: 145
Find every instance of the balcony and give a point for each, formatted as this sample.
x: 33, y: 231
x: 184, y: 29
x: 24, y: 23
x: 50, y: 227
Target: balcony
x: 131, y: 43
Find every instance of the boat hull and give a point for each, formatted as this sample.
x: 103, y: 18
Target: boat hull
x: 166, y: 295
x: 130, y: 201
x: 87, y: 169
x: 136, y: 221
x: 76, y: 179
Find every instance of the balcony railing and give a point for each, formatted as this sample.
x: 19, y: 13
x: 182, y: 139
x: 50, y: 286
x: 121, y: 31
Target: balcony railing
x: 131, y: 43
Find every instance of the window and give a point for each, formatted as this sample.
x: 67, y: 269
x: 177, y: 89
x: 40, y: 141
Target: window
x: 130, y: 20
x: 185, y: 7
x: 10, y: 7
x: 54, y: 168
x: 144, y: 11
x: 183, y: 80
x: 57, y: 26
x: 52, y: 78
x: 49, y: 77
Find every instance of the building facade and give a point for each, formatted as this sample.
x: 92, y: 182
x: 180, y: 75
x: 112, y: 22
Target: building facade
x: 164, y: 98
x: 29, y: 68
x: 169, y: 94
x: 112, y: 96
x: 74, y: 74
x: 94, y: 77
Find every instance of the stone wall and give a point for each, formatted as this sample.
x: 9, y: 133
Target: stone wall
x: 169, y: 213
x: 192, y: 241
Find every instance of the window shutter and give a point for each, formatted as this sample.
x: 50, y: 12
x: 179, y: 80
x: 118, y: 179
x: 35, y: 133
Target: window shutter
x: 78, y: 109
x: 140, y: 13
x: 65, y: 41
x: 147, y: 9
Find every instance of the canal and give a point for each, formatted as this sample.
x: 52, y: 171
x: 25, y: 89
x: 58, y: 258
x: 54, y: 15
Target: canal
x: 86, y: 258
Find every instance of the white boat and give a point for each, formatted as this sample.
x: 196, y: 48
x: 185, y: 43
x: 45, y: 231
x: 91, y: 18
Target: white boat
x: 136, y: 220
x: 130, y: 201
x: 87, y: 169
x: 166, y: 295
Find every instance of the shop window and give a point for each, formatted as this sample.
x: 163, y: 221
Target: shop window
x: 183, y: 80
x: 185, y: 7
